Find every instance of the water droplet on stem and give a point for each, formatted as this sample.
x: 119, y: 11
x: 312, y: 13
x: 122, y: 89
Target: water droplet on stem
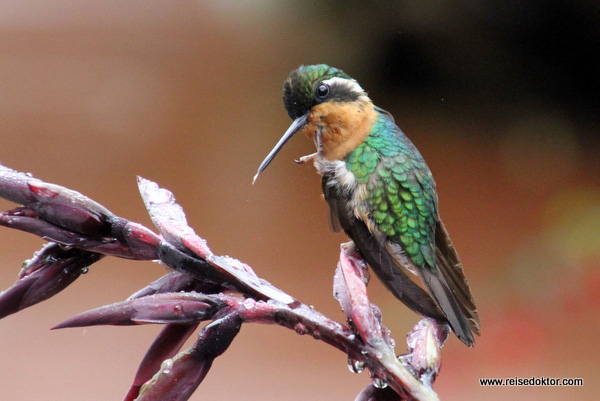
x: 355, y: 365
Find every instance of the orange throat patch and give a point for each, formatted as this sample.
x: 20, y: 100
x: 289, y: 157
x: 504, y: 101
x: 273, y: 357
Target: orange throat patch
x: 343, y: 126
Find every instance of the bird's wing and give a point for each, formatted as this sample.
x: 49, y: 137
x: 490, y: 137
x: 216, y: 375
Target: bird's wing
x: 400, y: 208
x: 387, y: 113
x: 375, y: 252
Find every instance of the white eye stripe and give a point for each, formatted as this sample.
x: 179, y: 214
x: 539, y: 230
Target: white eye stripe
x: 349, y: 84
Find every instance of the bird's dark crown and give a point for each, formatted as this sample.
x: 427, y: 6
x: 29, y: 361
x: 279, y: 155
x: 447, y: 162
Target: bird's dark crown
x: 310, y: 85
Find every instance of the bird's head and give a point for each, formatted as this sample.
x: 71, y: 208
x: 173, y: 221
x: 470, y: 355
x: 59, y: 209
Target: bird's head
x: 324, y: 100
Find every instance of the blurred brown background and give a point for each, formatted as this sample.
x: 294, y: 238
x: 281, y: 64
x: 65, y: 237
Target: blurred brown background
x: 500, y: 97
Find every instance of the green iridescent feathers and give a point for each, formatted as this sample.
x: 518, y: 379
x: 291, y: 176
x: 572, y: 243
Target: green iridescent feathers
x: 298, y: 89
x: 400, y: 192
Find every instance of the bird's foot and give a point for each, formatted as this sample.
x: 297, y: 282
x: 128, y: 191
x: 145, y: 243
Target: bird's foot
x: 306, y: 158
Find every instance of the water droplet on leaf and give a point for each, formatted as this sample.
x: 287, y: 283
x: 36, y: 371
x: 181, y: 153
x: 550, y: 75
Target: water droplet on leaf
x: 300, y: 328
x: 379, y: 383
x: 166, y: 366
x: 355, y: 365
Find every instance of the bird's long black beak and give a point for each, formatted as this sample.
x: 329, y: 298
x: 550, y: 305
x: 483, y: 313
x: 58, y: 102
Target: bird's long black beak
x: 296, y: 126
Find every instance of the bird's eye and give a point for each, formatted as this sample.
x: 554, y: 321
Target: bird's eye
x: 322, y: 91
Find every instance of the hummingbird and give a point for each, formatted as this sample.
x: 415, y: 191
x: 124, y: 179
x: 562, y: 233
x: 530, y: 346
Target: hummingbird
x: 380, y: 192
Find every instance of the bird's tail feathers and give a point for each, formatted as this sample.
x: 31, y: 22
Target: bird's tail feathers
x: 439, y: 289
x: 450, y: 267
